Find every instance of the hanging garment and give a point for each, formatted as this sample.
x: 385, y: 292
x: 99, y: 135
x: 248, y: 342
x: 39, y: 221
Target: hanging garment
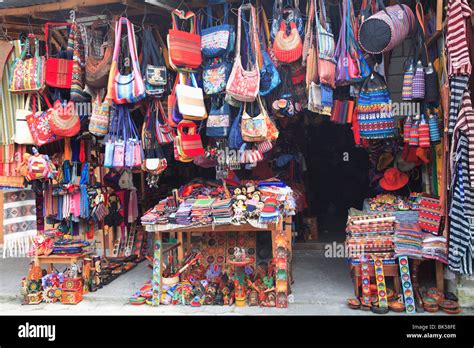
x: 9, y: 102
x: 465, y: 125
x: 461, y: 212
x: 457, y: 86
x: 458, y: 17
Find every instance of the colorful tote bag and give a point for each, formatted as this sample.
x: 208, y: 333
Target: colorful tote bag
x: 39, y: 125
x: 215, y: 74
x: 22, y: 131
x: 164, y: 133
x: 374, y: 114
x: 215, y: 39
x: 58, y: 71
x: 218, y: 121
x: 99, y: 122
x: 243, y: 85
x: 190, y: 143
x: 190, y: 99
x: 254, y: 129
x: 184, y: 47
x: 28, y: 73
x: 153, y: 67
x: 430, y: 214
x: 76, y: 45
x: 128, y: 88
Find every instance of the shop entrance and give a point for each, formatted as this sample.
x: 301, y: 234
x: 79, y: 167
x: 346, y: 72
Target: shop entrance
x: 336, y: 177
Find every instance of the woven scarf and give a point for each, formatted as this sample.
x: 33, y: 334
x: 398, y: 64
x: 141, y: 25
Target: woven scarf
x: 19, y: 221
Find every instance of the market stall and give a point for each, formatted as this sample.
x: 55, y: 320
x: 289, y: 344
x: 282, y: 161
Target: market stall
x: 182, y: 134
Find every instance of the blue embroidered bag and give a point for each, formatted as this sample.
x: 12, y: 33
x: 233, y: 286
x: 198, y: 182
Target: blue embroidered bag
x: 215, y: 39
x: 218, y: 121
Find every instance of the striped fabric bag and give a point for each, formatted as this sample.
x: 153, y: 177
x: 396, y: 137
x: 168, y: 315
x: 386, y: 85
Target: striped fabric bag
x: 424, y: 133
x: 407, y: 130
x: 326, y: 49
x: 374, y: 114
x: 430, y: 214
x: 414, y: 139
x: 76, y: 45
x: 386, y: 29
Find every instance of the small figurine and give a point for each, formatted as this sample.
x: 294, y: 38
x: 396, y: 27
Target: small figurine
x: 253, y: 298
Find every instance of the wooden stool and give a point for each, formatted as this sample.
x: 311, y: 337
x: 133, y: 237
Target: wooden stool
x: 388, y: 270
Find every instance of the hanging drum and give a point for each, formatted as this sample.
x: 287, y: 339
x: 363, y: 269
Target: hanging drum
x: 386, y: 29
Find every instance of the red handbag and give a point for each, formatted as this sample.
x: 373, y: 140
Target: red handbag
x: 288, y: 48
x: 58, y: 70
x: 39, y: 125
x: 65, y: 121
x: 184, y: 47
x: 190, y: 141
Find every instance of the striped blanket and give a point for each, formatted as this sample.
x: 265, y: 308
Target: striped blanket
x: 19, y: 221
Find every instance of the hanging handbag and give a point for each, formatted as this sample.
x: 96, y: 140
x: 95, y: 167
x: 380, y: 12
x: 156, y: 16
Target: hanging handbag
x: 326, y: 48
x: 430, y: 214
x: 76, y: 46
x: 100, y: 117
x: 101, y: 51
x: 218, y: 121
x: 407, y: 130
x: 434, y: 128
x: 64, y: 121
x: 310, y: 58
x: 110, y: 139
x: 154, y: 158
x: 394, y: 23
x: 133, y: 146
x: 424, y: 133
x: 184, y: 47
x: 214, y: 75
x: 254, y: 129
x: 418, y: 91
x: 58, y: 70
x: 215, y: 39
x: 269, y: 76
x: 243, y: 85
x: 28, y: 74
x: 235, y: 134
x: 407, y: 89
x: 152, y: 66
x: 174, y: 116
x: 128, y: 88
x: 22, y: 131
x: 190, y: 99
x: 374, y: 115
x: 189, y: 141
x: 39, y: 124
x: 288, y: 48
x: 164, y: 133
x: 120, y: 137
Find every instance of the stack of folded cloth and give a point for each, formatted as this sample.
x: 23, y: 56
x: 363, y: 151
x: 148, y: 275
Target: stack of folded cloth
x: 435, y: 247
x: 71, y: 247
x: 156, y: 215
x: 409, y: 240
x: 270, y: 211
x: 370, y: 235
x: 183, y: 215
x: 222, y: 211
x: 201, y: 211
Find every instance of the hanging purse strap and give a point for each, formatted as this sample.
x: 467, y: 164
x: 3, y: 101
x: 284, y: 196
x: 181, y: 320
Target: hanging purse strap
x: 211, y: 3
x: 46, y: 33
x: 178, y: 14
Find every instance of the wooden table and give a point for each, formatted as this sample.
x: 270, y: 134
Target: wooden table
x: 389, y: 270
x: 59, y: 259
x: 284, y: 224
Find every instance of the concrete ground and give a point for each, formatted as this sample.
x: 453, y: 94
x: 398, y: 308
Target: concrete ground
x: 321, y: 287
